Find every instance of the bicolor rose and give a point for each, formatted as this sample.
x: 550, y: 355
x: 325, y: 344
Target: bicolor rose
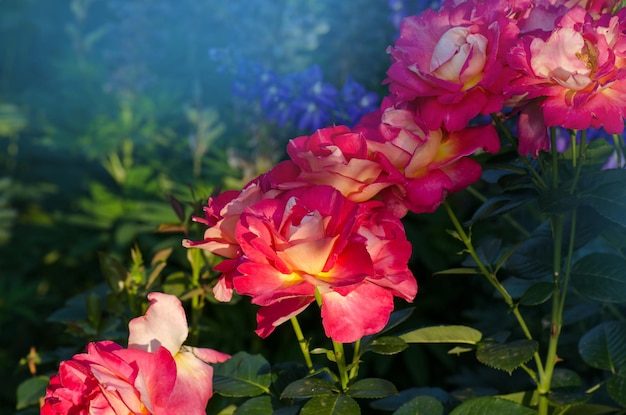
x: 575, y: 76
x: 314, y: 241
x: 451, y: 64
x: 155, y: 375
x: 432, y: 163
x: 337, y: 157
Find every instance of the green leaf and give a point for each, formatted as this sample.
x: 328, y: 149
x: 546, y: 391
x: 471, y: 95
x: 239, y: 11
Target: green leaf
x: 114, y: 272
x: 537, y: 293
x: 557, y: 201
x: 396, y: 318
x: 616, y: 387
x: 422, y: 405
x: 591, y: 409
x: 490, y: 405
x: 597, y: 153
x: 533, y: 258
x: 309, y: 387
x: 600, y: 277
x: 372, y: 388
x: 568, y: 397
x: 604, y: 346
x: 605, y: 192
x: 261, y: 405
x: 394, y: 402
x: 565, y: 378
x: 457, y: 350
x: 506, y: 356
x: 526, y: 398
x: 31, y: 390
x: 387, y: 345
x: 501, y: 204
x: 242, y: 375
x: 443, y: 334
x: 331, y: 405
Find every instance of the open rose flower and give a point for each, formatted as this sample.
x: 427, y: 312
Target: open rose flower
x: 432, y: 163
x: 155, y: 375
x: 337, y: 157
x: 575, y: 76
x: 221, y: 216
x: 314, y: 241
x: 451, y: 64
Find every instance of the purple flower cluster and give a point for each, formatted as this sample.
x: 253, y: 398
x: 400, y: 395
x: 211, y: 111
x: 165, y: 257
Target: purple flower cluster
x: 302, y: 98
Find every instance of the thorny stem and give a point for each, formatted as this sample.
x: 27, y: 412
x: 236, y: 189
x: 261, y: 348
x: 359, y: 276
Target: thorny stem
x: 495, y: 283
x: 560, y: 281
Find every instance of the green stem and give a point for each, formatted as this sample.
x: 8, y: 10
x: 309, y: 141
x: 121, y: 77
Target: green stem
x: 494, y: 282
x: 197, y: 301
x: 340, y: 359
x: 304, y: 345
x: 354, y: 369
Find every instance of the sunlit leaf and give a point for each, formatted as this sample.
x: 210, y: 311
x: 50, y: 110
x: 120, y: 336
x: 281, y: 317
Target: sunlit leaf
x: 443, y: 334
x: 387, y: 345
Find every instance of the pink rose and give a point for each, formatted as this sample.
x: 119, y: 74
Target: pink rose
x: 432, y: 163
x: 575, y: 75
x: 156, y: 374
x: 221, y: 218
x: 451, y: 64
x: 316, y: 240
x: 337, y: 157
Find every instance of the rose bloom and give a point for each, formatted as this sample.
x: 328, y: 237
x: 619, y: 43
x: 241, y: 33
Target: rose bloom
x: 221, y: 216
x: 315, y: 242
x: 451, y: 64
x: 337, y: 157
x: 575, y: 77
x: 156, y: 374
x: 431, y: 163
